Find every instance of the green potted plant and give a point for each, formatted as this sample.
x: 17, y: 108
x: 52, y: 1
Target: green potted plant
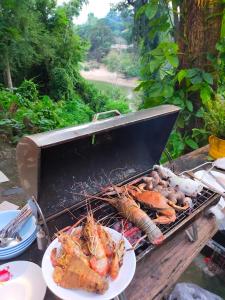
x: 214, y: 118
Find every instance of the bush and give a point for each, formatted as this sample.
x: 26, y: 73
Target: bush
x: 94, y: 64
x: 61, y: 84
x: 28, y: 89
x: 27, y: 117
x: 86, y: 68
x: 124, y: 62
x: 120, y: 105
x: 20, y: 115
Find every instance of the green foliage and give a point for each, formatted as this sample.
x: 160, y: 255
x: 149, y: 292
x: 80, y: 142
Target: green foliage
x: 102, y: 33
x: 123, y: 61
x: 214, y: 117
x: 169, y: 85
x: 28, y: 90
x: 20, y: 115
x: 120, y: 105
x: 61, y: 85
x: 193, y: 90
x: 39, y: 42
x: 121, y: 23
x: 20, y: 34
x: 99, y: 35
x: 151, y: 9
x: 113, y: 91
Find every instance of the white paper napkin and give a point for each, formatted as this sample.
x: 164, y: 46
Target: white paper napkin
x: 3, y: 177
x: 6, y: 205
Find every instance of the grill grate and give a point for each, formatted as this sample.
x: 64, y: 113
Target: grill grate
x: 108, y: 216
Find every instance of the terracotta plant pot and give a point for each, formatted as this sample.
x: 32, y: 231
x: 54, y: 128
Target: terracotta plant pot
x: 216, y: 147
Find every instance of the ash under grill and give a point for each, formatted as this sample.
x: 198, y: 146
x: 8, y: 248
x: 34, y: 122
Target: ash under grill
x: 109, y: 216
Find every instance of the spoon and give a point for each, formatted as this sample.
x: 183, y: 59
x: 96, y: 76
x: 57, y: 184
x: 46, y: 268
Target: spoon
x: 12, y: 241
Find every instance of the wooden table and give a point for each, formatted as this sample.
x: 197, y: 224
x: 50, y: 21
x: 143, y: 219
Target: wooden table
x: 159, y: 271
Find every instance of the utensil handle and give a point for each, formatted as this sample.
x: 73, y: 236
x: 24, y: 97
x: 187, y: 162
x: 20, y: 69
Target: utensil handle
x: 20, y: 222
x: 4, y: 230
x: 17, y: 222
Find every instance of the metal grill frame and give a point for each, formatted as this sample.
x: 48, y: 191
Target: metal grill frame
x: 108, y: 215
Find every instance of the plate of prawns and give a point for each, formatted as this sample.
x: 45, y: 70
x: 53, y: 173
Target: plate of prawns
x: 88, y: 262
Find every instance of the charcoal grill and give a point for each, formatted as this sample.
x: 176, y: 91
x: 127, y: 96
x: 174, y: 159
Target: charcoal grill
x: 58, y: 166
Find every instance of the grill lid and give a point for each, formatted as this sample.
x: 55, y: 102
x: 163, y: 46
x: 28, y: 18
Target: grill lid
x: 55, y: 166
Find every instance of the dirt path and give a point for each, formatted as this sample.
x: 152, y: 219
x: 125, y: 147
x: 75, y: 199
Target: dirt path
x: 102, y: 74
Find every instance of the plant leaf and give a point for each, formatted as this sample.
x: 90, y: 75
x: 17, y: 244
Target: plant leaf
x: 205, y: 94
x: 191, y: 143
x: 155, y: 90
x: 151, y: 9
x: 196, y: 79
x: 154, y: 64
x: 168, y: 91
x: 173, y: 60
x: 189, y: 105
x: 181, y: 75
x: 200, y: 113
x: 192, y: 72
x: 140, y: 11
x: 207, y: 77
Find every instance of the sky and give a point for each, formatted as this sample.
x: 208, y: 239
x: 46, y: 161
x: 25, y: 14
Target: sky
x: 100, y: 8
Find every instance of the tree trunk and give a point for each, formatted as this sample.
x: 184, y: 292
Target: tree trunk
x: 200, y: 27
x: 7, y: 71
x: 176, y: 20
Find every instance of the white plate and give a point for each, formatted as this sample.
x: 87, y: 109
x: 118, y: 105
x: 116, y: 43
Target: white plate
x: 116, y: 287
x: 19, y: 251
x: 19, y: 246
x: 26, y: 283
x: 220, y: 163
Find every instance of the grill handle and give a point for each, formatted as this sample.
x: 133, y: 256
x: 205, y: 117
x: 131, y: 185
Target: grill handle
x: 114, y: 111
x: 96, y: 117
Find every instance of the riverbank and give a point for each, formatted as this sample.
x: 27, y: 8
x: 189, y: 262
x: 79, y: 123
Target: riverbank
x: 115, y: 78
x: 105, y: 80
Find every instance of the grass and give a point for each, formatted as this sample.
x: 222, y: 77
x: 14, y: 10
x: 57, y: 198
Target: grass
x: 115, y: 90
x: 109, y: 87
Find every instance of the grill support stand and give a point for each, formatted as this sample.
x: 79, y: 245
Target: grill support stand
x: 192, y: 233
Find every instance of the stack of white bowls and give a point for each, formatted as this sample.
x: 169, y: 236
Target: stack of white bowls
x: 27, y: 234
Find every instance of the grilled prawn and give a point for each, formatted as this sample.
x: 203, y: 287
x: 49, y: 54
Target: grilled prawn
x: 117, y: 259
x: 99, y: 260
x: 106, y: 240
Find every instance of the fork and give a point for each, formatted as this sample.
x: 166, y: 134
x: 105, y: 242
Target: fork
x: 14, y: 225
